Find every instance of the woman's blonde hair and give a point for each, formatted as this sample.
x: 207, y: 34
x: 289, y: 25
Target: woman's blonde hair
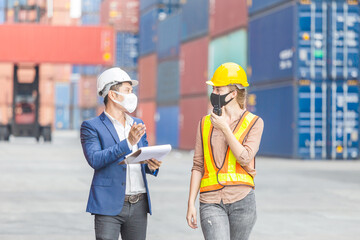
x: 241, y: 96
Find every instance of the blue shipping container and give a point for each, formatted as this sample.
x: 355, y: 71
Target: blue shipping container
x: 195, y: 19
x: 344, y: 40
x: 169, y: 37
x: 90, y: 19
x: 76, y: 118
x: 308, y: 44
x: 344, y: 120
x: 127, y: 50
x: 173, y: 5
x: 90, y: 70
x: 2, y: 4
x: 148, y: 30
x: 11, y: 3
x: 87, y: 113
x: 167, y: 126
x: 62, y: 117
x: 74, y: 94
x: 256, y: 6
x: 271, y: 50
x: 62, y: 94
x: 90, y: 6
x: 2, y: 15
x: 168, y: 82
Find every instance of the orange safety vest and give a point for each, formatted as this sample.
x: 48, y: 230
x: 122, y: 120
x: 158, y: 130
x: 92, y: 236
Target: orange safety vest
x: 231, y: 173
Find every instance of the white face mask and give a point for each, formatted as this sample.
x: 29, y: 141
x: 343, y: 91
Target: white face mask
x: 129, y: 102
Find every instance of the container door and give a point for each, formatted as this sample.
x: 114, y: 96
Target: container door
x: 344, y: 120
x: 312, y: 120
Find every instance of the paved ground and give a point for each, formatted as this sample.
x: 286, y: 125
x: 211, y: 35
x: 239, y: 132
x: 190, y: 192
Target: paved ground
x: 44, y: 189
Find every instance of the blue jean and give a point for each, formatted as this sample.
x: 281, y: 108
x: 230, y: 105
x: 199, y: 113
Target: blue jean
x: 131, y: 223
x: 233, y: 221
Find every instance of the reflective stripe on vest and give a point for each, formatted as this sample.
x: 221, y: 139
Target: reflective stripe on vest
x: 231, y: 173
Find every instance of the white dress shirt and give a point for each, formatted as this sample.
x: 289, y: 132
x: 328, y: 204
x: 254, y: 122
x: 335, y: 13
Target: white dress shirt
x: 134, y: 179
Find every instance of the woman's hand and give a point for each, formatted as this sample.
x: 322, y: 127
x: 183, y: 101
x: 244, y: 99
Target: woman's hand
x: 219, y: 122
x: 191, y: 216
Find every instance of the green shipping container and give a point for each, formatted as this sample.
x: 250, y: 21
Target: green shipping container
x: 229, y: 48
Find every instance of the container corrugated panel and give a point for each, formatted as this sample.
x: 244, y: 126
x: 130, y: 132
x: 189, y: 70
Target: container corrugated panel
x: 194, y: 67
x: 226, y: 16
x: 62, y: 94
x: 90, y: 6
x: 12, y: 3
x: 90, y: 19
x: 76, y: 69
x: 121, y: 15
x: 169, y: 37
x: 46, y: 90
x: 168, y: 83
x: 148, y: 30
x: 271, y: 50
x: 344, y: 51
x: 195, y: 19
x: 74, y: 94
x: 46, y: 114
x: 270, y: 104
x: 42, y: 43
x: 62, y: 117
x: 256, y: 6
x: 191, y: 112
x: 92, y: 70
x: 229, y: 48
x: 75, y: 118
x: 2, y: 15
x: 146, y: 111
x: 127, y: 49
x: 167, y: 126
x: 146, y: 4
x: 147, y: 77
x: 344, y: 120
x: 87, y: 113
x: 87, y: 92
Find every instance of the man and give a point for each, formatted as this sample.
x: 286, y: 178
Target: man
x: 119, y: 195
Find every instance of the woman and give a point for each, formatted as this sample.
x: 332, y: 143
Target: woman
x: 224, y: 160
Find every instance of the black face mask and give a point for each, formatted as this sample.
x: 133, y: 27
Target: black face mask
x: 218, y: 101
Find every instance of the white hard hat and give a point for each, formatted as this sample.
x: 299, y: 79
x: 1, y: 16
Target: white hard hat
x: 111, y: 77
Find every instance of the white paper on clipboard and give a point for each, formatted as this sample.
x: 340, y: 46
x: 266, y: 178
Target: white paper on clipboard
x: 145, y: 153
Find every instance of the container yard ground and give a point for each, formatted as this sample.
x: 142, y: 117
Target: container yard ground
x: 44, y: 189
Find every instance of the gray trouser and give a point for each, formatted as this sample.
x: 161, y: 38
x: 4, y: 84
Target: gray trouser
x: 131, y: 223
x: 228, y: 221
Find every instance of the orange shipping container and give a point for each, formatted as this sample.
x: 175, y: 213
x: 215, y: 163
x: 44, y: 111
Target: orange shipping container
x: 146, y: 111
x: 46, y: 114
x: 87, y: 92
x: 37, y: 43
x: 147, y: 77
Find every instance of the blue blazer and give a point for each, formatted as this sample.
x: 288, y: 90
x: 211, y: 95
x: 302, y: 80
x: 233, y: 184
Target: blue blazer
x: 103, y: 150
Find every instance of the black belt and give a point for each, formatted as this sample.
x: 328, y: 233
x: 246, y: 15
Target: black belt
x: 134, y: 198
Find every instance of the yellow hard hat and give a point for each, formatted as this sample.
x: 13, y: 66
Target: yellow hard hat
x: 229, y: 74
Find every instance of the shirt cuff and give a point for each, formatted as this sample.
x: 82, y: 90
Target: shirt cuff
x: 129, y: 145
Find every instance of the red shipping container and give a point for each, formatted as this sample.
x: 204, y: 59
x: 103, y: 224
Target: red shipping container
x: 47, y: 90
x: 62, y: 72
x: 87, y: 92
x: 146, y: 111
x: 6, y: 83
x: 226, y: 16
x: 194, y: 67
x: 121, y: 15
x: 147, y: 77
x: 191, y: 112
x: 56, y: 44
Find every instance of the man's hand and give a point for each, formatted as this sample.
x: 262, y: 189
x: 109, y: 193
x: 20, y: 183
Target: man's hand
x: 136, y: 132
x: 153, y: 164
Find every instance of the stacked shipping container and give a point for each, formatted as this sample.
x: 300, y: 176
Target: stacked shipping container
x: 311, y: 75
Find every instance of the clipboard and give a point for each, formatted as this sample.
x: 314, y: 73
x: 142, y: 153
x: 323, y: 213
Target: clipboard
x: 144, y: 153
